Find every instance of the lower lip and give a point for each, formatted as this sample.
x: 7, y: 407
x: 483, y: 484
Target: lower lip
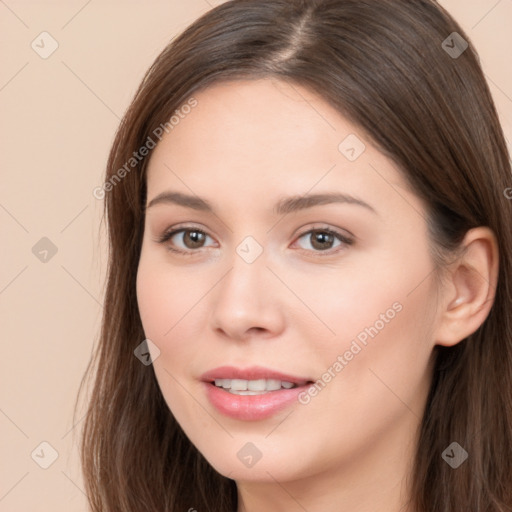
x: 251, y: 407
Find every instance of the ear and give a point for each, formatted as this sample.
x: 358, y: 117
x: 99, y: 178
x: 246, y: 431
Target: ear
x: 469, y: 290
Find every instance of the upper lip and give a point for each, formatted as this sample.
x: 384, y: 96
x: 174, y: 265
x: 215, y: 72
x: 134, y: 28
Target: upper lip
x: 251, y: 373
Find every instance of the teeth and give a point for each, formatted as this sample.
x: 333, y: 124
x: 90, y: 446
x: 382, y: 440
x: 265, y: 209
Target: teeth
x: 273, y: 385
x: 256, y: 385
x: 252, y: 387
x: 238, y: 385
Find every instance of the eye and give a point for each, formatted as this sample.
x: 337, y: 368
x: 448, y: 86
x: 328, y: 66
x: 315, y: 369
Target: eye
x: 322, y: 240
x: 191, y: 238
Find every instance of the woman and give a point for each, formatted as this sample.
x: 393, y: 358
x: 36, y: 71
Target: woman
x: 310, y: 241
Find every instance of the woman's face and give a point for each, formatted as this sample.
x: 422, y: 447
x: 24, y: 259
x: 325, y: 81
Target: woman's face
x: 273, y: 287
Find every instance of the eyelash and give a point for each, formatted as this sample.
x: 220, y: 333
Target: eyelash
x: 342, y: 238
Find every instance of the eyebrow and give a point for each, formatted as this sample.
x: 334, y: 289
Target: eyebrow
x: 282, y: 207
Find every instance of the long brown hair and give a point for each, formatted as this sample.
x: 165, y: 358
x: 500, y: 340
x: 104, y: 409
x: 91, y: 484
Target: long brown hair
x: 390, y: 67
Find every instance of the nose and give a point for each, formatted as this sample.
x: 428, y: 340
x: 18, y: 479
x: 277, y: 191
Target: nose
x: 248, y: 301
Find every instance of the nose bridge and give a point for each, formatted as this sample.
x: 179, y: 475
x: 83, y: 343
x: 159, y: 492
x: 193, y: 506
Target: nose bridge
x: 246, y: 298
x: 248, y: 263
x: 244, y: 282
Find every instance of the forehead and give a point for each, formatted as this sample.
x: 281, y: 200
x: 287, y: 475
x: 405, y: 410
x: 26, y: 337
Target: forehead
x: 264, y: 136
x: 258, y: 119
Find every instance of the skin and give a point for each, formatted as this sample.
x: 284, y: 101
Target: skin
x: 295, y: 309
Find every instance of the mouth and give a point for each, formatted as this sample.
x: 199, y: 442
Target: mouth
x: 254, y: 393
x: 253, y: 387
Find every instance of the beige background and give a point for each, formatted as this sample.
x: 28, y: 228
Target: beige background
x: 58, y: 117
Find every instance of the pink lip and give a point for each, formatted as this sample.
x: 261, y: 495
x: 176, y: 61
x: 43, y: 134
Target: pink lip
x: 252, y: 373
x: 251, y: 407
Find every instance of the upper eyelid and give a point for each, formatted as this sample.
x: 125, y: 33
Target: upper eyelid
x: 348, y: 238
x: 316, y: 226
x: 179, y: 229
x: 176, y: 229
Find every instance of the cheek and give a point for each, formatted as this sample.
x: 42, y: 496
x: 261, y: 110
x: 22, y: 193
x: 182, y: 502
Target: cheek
x: 164, y: 299
x: 381, y: 317
x: 164, y: 296
x: 155, y: 304
x: 365, y: 299
x: 385, y: 347
x: 174, y: 307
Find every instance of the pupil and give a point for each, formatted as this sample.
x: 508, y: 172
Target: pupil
x: 195, y: 237
x: 321, y: 238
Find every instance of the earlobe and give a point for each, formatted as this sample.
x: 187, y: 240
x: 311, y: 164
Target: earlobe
x: 470, y: 290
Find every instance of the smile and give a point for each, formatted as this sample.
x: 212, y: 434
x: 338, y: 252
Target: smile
x: 253, y: 387
x: 251, y: 394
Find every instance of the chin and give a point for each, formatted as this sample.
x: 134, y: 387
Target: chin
x: 240, y: 467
